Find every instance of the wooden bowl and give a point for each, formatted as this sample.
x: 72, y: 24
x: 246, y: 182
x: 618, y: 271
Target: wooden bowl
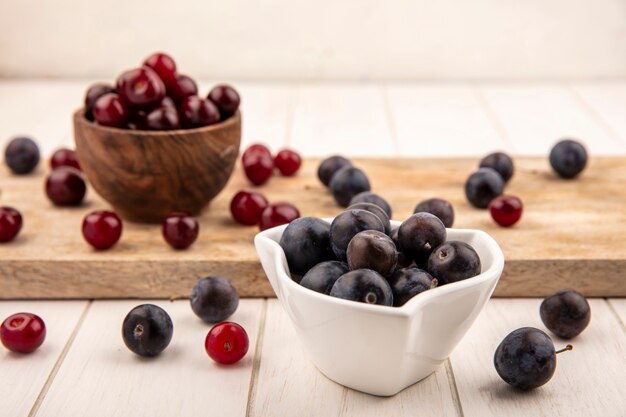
x: 145, y: 175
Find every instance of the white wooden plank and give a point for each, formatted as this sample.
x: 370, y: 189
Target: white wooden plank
x: 289, y: 384
x: 101, y: 377
x: 608, y: 102
x: 619, y: 306
x: 589, y: 381
x: 440, y: 120
x: 23, y: 375
x: 535, y: 116
x: 341, y: 118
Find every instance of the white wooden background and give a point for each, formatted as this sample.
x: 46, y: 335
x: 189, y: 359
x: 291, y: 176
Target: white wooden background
x: 83, y: 369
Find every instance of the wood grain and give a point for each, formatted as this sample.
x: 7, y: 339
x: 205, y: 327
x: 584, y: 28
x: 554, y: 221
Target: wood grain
x: 589, y: 380
x: 24, y: 376
x: 571, y: 234
x: 147, y: 175
x: 115, y: 382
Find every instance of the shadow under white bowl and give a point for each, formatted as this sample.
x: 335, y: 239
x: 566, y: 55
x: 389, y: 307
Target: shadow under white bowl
x: 376, y: 349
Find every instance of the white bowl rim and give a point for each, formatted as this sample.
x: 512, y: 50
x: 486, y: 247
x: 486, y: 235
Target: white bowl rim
x: 411, y: 306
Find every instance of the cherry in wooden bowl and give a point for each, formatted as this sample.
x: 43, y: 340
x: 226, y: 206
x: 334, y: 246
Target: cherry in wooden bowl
x: 146, y: 175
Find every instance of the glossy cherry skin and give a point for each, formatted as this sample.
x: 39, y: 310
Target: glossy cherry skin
x: 288, y: 162
x: 226, y: 343
x: 226, y: 99
x: 181, y: 87
x: 163, y: 65
x: 102, y: 229
x: 254, y: 149
x: 180, y: 230
x: 162, y: 118
x: 277, y: 214
x: 22, y: 332
x: 246, y: 207
x: 141, y: 87
x: 506, y: 210
x: 197, y: 112
x: 258, y: 164
x: 110, y: 110
x: 64, y: 157
x: 10, y: 223
x: 94, y: 92
x: 65, y: 186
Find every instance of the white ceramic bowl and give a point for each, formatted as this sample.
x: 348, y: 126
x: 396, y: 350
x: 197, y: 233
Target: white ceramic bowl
x: 377, y: 349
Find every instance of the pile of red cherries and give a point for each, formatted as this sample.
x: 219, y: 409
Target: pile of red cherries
x: 251, y: 207
x: 156, y: 97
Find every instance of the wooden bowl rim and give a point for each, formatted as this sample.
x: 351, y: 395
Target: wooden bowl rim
x: 79, y: 117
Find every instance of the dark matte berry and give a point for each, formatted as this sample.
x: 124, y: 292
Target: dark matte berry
x: 64, y: 157
x: 329, y: 166
x: 102, y: 229
x: 288, y: 162
x: 374, y: 209
x: 226, y: 343
x: 214, y: 299
x: 246, y: 207
x: 277, y: 214
x: 501, y: 163
x: 140, y: 88
x: 226, y: 99
x: 419, y: 235
x: 526, y: 358
x: 322, y: 276
x: 65, y: 186
x: 10, y: 223
x: 94, y: 92
x: 22, y: 332
x: 453, y: 261
x: 110, y: 110
x: 403, y: 260
x: 408, y: 282
x: 181, y: 87
x: 568, y: 158
x: 21, y: 155
x: 163, y: 65
x: 373, y: 250
x: 566, y: 313
x: 197, y: 112
x: 180, y: 230
x: 258, y: 164
x: 437, y: 207
x: 365, y: 286
x: 306, y: 242
x: 506, y: 210
x: 348, y: 182
x: 147, y: 330
x: 370, y: 197
x: 483, y: 186
x: 347, y: 224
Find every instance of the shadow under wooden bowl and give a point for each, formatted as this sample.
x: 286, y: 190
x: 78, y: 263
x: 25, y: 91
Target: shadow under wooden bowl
x: 145, y: 175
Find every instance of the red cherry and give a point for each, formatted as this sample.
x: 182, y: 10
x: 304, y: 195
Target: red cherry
x: 64, y: 158
x: 288, y: 162
x: 10, y: 223
x: 181, y: 87
x: 506, y: 210
x: 22, y: 332
x: 65, y: 186
x: 277, y: 214
x: 102, y: 229
x: 110, y: 110
x: 141, y: 87
x: 226, y: 99
x: 163, y: 65
x: 226, y: 343
x: 256, y: 149
x: 246, y: 207
x: 162, y: 118
x: 180, y: 230
x: 258, y: 164
x: 197, y: 112
x: 94, y: 93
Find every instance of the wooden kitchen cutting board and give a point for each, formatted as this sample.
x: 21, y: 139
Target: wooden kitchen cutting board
x: 572, y: 233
